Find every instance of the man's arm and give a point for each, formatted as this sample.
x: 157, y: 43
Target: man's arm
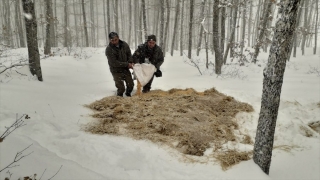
x: 159, y: 58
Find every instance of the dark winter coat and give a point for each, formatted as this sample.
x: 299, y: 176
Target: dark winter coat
x: 119, y: 57
x: 155, y: 55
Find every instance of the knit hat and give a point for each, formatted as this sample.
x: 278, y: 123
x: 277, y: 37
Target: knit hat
x: 113, y: 34
x: 152, y: 38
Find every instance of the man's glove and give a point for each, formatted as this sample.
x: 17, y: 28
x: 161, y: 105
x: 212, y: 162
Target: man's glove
x: 158, y: 73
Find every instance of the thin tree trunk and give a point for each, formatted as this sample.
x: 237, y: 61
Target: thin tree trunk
x: 181, y: 28
x: 304, y: 33
x: 49, y: 22
x: 215, y: 31
x: 203, y: 3
x: 167, y: 29
x: 222, y: 29
x: 75, y: 23
x: 32, y: 41
x: 295, y: 36
x: 66, y: 25
x: 259, y: 43
x: 190, y: 28
x: 97, y: 15
x: 130, y: 23
x: 175, y: 28
x: 85, y: 24
x: 272, y: 83
x: 243, y: 26
x: 20, y: 29
x: 109, y: 16
x: 92, y: 25
x: 249, y: 23
x: 162, y: 24
x: 231, y: 40
x: 144, y: 19
x: 115, y: 5
x: 315, y: 28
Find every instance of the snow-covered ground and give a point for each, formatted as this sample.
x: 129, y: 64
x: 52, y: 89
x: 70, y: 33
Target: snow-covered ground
x: 56, y: 110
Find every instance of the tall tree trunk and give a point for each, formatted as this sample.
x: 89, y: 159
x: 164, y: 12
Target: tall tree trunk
x: 190, y: 28
x: 109, y: 15
x: 250, y: 22
x: 181, y: 28
x: 272, y: 83
x: 215, y: 31
x: 162, y: 24
x: 105, y: 23
x: 116, y: 17
x: 97, y: 15
x: 315, y: 28
x: 203, y: 3
x: 136, y: 19
x: 85, y: 24
x: 167, y: 29
x: 144, y: 19
x: 243, y: 26
x: 76, y: 23
x: 20, y: 29
x: 304, y: 33
x: 267, y: 11
x: 130, y: 23
x: 295, y: 36
x: 32, y: 41
x: 257, y: 23
x: 222, y: 29
x: 175, y: 28
x: 93, y: 30
x: 66, y: 25
x: 49, y: 22
x: 233, y: 30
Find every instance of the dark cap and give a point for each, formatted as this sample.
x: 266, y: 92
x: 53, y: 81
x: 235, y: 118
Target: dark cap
x: 152, y: 38
x: 113, y: 34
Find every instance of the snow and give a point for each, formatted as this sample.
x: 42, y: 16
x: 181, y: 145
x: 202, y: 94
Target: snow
x: 28, y: 16
x: 56, y: 110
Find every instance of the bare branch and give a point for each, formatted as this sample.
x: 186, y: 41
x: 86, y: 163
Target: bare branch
x: 17, y: 158
x: 18, y: 123
x: 56, y: 172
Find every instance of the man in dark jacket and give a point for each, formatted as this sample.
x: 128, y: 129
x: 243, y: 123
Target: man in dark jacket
x: 120, y: 61
x: 149, y: 52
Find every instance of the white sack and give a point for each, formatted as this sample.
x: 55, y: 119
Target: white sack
x: 144, y: 72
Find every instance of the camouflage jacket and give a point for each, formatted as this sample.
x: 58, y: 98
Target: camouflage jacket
x: 155, y: 55
x: 118, y: 57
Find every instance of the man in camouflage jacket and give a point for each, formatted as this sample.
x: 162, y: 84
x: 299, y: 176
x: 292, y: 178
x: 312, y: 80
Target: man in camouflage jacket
x: 120, y: 61
x: 149, y: 52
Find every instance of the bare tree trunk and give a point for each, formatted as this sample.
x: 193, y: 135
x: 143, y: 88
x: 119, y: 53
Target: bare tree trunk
x: 75, y: 23
x: 181, y: 28
x: 304, y: 33
x: 250, y: 23
x: 175, y: 28
x: 93, y: 30
x: 259, y: 43
x: 97, y: 15
x: 164, y: 49
x: 20, y: 29
x: 136, y: 19
x: 272, y: 83
x: 315, y: 28
x: 32, y: 41
x: 162, y: 24
x: 215, y: 31
x: 243, y: 26
x: 203, y: 3
x: 144, y: 19
x: 233, y: 27
x: 109, y: 16
x: 115, y: 5
x: 190, y: 28
x: 257, y: 24
x: 130, y: 23
x: 85, y: 24
x: 66, y: 25
x: 222, y: 29
x: 55, y: 24
x: 295, y: 36
x: 49, y: 22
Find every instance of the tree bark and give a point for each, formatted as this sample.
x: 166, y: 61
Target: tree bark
x: 190, y: 28
x: 162, y: 24
x: 66, y: 25
x: 144, y: 19
x: 20, y: 29
x: 49, y: 22
x: 164, y: 49
x: 32, y: 41
x: 272, y: 83
x: 85, y: 24
x: 181, y: 28
x: 203, y: 3
x: 315, y: 28
x: 215, y: 31
x: 267, y: 11
x: 305, y: 31
x: 175, y: 28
